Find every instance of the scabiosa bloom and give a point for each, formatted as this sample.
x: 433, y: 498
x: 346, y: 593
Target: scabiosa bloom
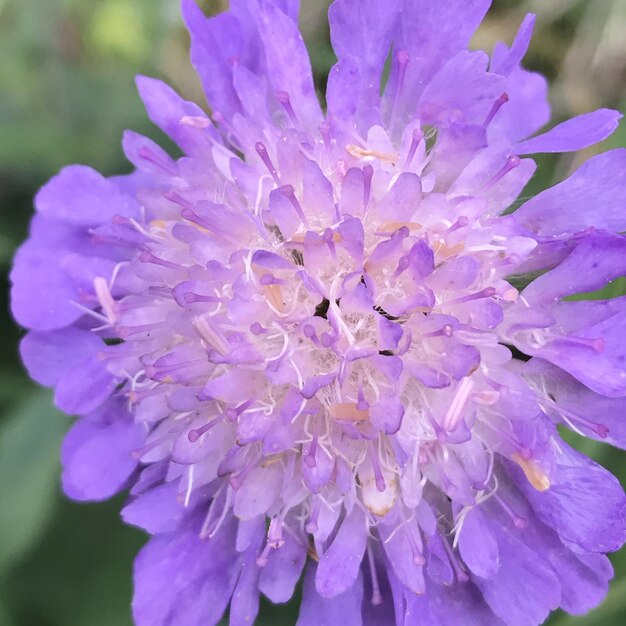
x: 302, y: 344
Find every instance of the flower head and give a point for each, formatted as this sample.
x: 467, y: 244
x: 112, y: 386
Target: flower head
x: 306, y: 344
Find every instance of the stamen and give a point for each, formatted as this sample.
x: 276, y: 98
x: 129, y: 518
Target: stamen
x: 211, y: 335
x: 368, y: 174
x: 289, y: 193
x: 283, y: 98
x: 488, y: 292
x: 309, y: 459
x: 459, y: 401
x: 265, y: 157
x: 324, y: 129
x: 503, y: 99
x: 381, y: 485
x: 329, y: 239
x: 108, y: 304
x: 596, y: 344
x: 195, y: 434
x: 377, y: 597
x: 311, y: 525
x: 518, y: 521
x: 462, y: 222
x: 511, y: 163
x: 148, y: 155
x: 402, y: 60
x: 146, y: 256
x: 459, y: 572
x: 417, y: 136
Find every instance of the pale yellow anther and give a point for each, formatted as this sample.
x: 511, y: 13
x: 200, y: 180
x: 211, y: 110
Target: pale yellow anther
x: 275, y: 297
x: 392, y: 227
x: 441, y: 249
x: 535, y: 475
x: 363, y: 153
x: 348, y: 411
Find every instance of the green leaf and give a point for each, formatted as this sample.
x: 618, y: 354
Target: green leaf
x: 29, y: 473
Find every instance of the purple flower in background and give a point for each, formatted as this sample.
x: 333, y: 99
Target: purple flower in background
x: 302, y: 346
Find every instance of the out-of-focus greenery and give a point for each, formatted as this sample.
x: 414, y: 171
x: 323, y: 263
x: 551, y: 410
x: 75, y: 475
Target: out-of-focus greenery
x: 66, y: 94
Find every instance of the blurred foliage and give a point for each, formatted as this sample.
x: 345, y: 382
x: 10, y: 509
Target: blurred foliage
x: 67, y: 88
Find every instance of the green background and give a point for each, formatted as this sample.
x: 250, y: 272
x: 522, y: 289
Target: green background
x: 66, y: 95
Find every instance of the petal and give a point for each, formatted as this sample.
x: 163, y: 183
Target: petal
x: 400, y: 555
x: 146, y: 155
x: 183, y: 580
x: 433, y: 32
x: 361, y: 30
x: 85, y: 387
x: 478, y: 545
x: 506, y: 63
x: 462, y: 92
x: 585, y: 503
x: 594, y: 195
x: 97, y: 459
x: 578, y: 407
x: 574, y: 134
x: 596, y: 260
x: 318, y: 610
x: 525, y: 589
x: 79, y: 195
x: 210, y: 59
x: 48, y: 356
x: 283, y: 569
x: 157, y: 510
x: 288, y: 65
x: 339, y: 566
x: 527, y: 110
x: 167, y: 110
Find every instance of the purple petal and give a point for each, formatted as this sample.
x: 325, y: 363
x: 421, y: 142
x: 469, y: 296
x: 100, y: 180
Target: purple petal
x: 585, y: 503
x: 209, y: 58
x: 478, y: 545
x: 97, y: 459
x: 157, y: 510
x: 48, y: 356
x: 594, y: 195
x: 339, y: 565
x: 183, y: 580
x: 85, y: 387
x: 525, y: 589
x: 432, y: 33
x: 574, y: 134
x: 283, y: 569
x: 463, y: 92
x: 167, y: 110
x: 81, y: 196
x: 527, y: 110
x: 362, y: 30
x: 318, y: 610
x: 288, y: 65
x: 509, y: 62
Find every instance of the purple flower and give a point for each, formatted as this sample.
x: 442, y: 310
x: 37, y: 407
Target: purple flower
x: 302, y: 345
